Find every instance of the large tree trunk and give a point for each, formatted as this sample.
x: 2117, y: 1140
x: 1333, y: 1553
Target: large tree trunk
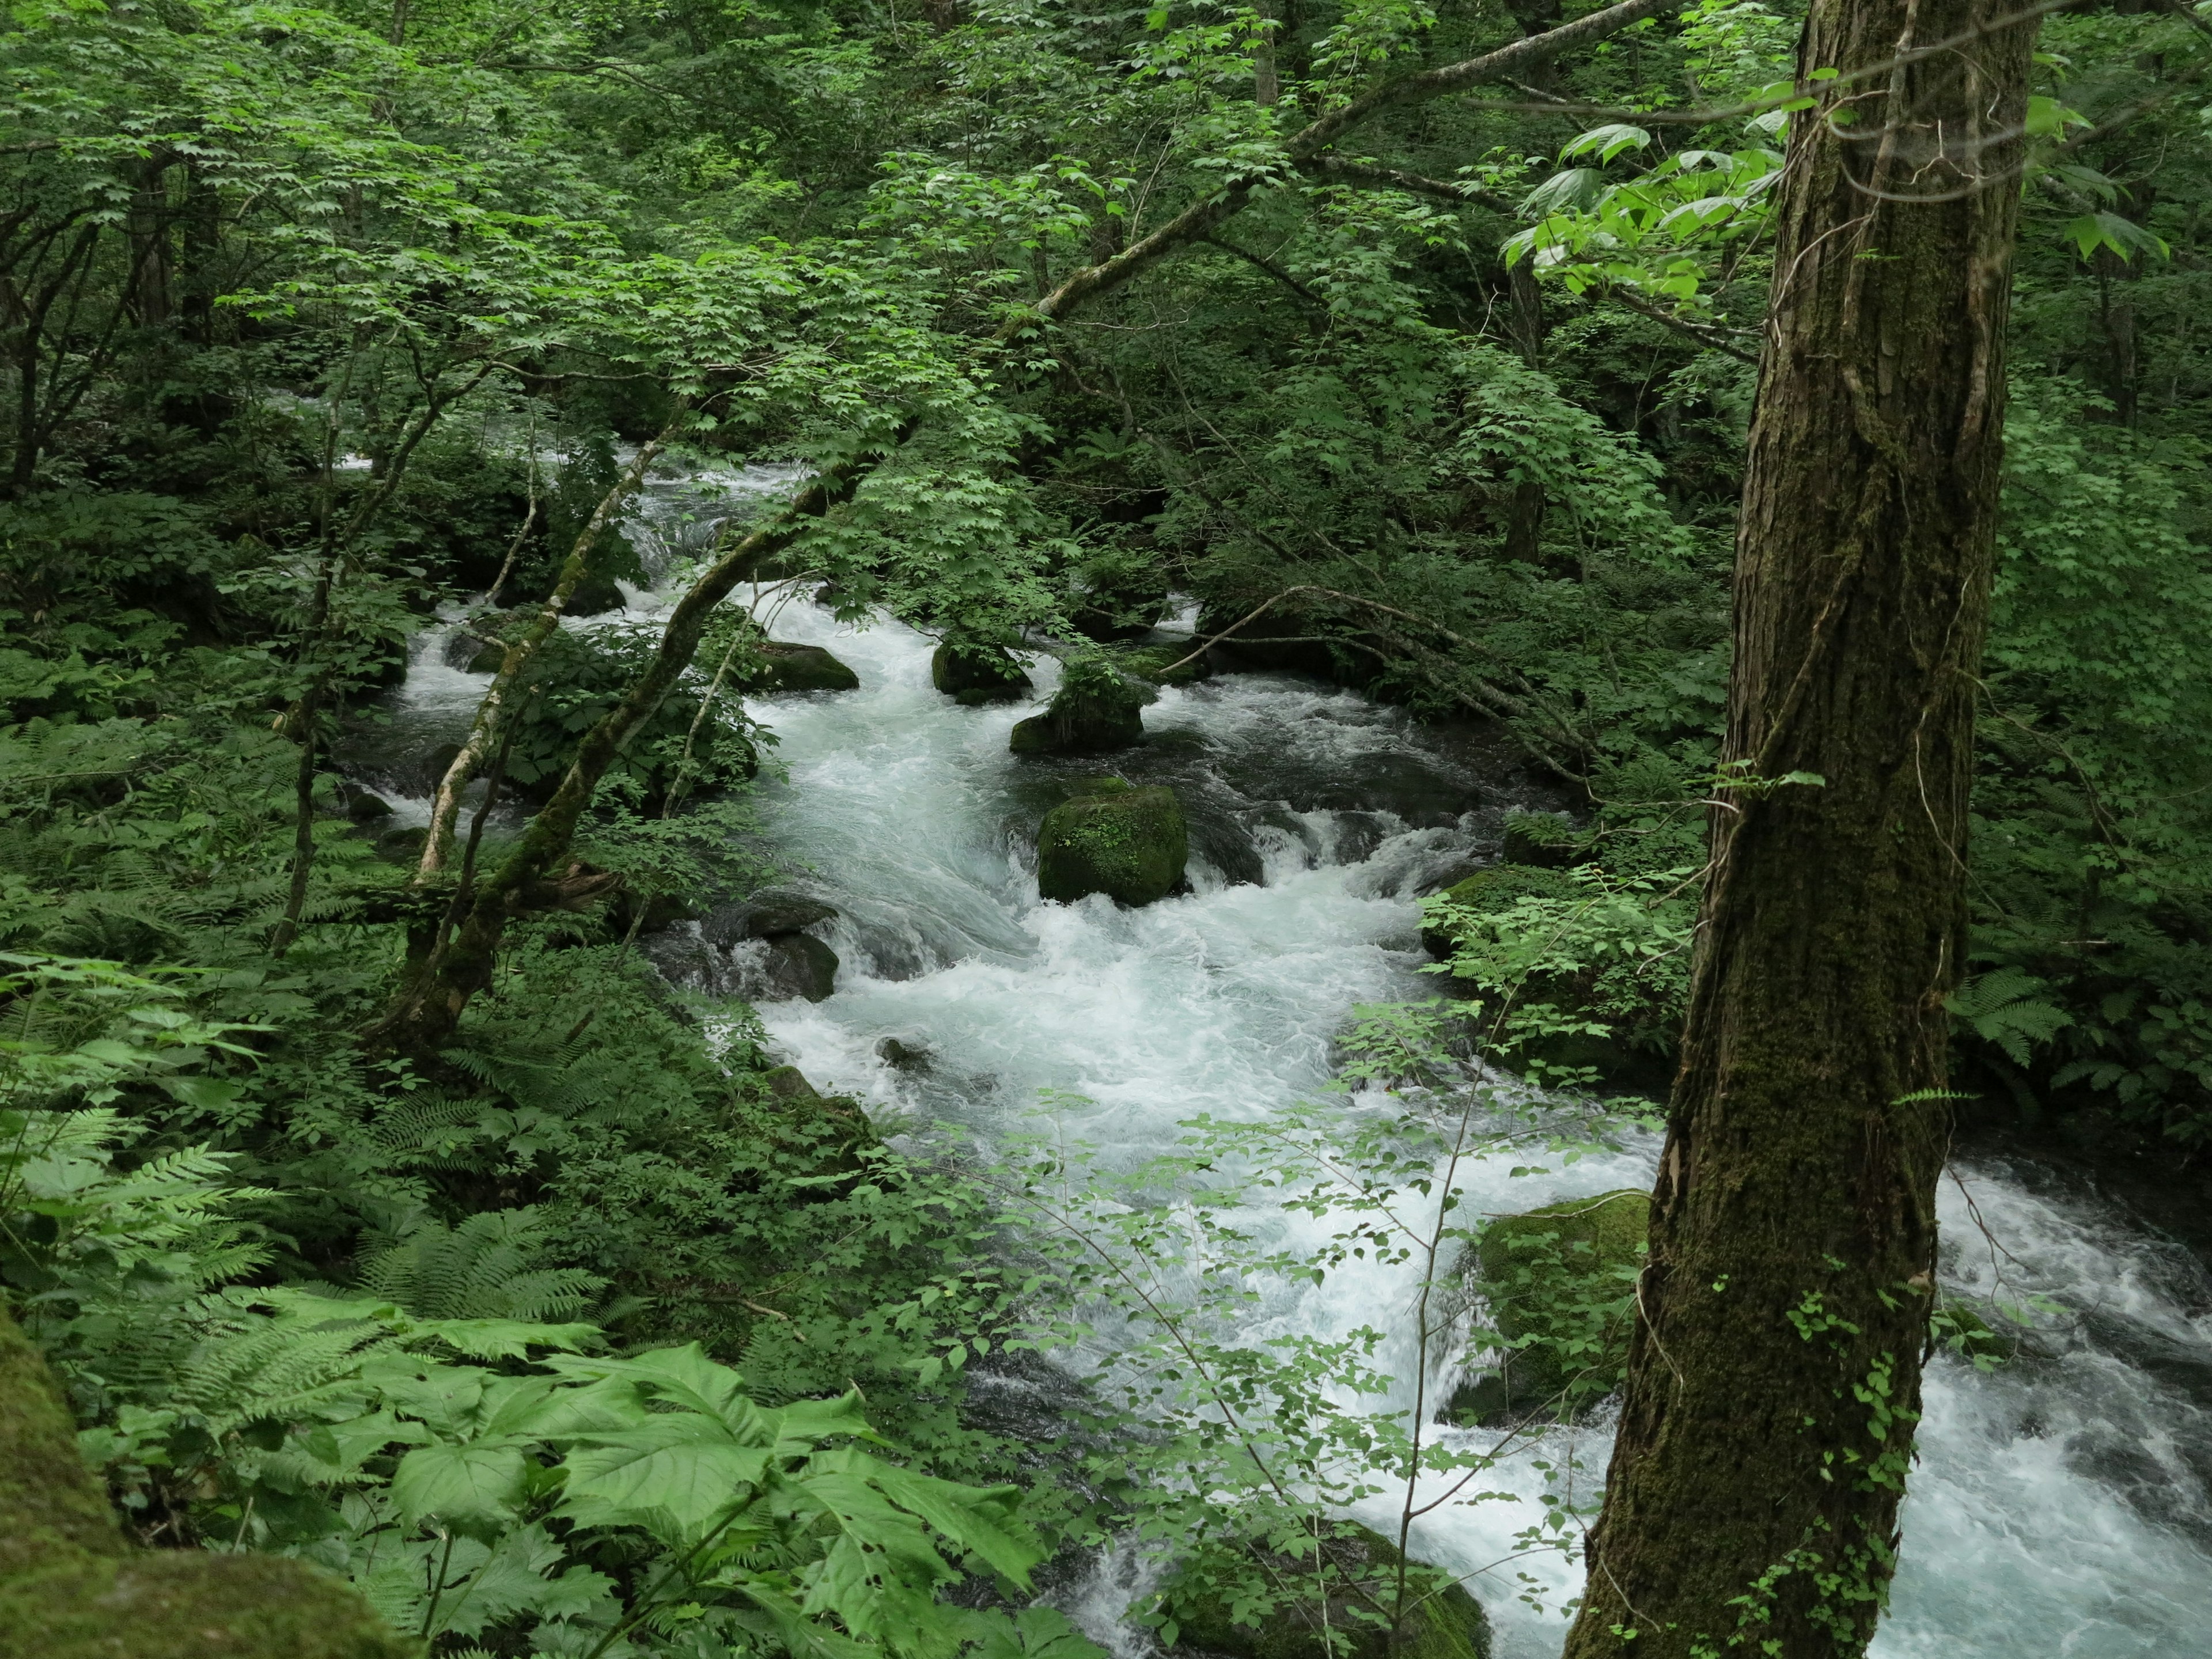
x: 1775, y: 1372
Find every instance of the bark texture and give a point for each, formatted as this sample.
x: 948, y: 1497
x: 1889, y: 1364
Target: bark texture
x: 1775, y: 1374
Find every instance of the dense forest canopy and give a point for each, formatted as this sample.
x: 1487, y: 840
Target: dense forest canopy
x: 375, y: 1200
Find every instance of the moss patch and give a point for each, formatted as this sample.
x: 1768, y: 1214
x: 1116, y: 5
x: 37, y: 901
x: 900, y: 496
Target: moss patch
x: 1443, y: 1623
x: 977, y: 673
x: 1131, y: 844
x: 1552, y: 1278
x: 1498, y: 888
x: 799, y: 668
x: 71, y: 1587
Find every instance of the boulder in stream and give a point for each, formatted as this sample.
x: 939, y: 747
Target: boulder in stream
x: 788, y: 667
x: 1094, y: 710
x: 798, y: 965
x: 973, y: 674
x: 1128, y: 843
x: 1560, y: 1285
x: 1443, y: 1621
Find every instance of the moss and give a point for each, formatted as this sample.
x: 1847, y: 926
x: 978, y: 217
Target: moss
x: 1447, y: 1624
x: 1553, y: 1279
x: 1096, y: 709
x: 800, y: 668
x: 1129, y: 844
x: 71, y: 1587
x: 1498, y: 888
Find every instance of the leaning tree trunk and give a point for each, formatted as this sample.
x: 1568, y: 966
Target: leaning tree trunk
x: 1775, y: 1372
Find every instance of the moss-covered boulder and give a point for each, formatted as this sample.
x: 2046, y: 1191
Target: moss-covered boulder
x: 1498, y: 888
x: 1558, y: 1283
x: 1128, y: 843
x: 975, y: 674
x: 787, y: 667
x: 1162, y: 665
x: 1096, y: 710
x: 71, y: 1587
x: 1442, y: 1621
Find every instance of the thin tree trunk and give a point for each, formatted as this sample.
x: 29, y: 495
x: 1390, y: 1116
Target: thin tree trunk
x: 427, y: 1006
x: 1774, y: 1375
x: 521, y: 647
x: 1525, y: 524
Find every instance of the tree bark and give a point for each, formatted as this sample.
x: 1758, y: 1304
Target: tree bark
x: 1782, y: 1319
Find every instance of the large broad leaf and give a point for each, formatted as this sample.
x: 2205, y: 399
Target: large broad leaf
x: 675, y: 1474
x: 975, y: 1520
x: 473, y: 1485
x: 681, y: 1376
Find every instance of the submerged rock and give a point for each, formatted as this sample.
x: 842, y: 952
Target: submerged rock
x: 1558, y: 1282
x: 902, y: 1056
x: 1446, y: 1623
x: 1129, y: 844
x: 787, y: 667
x: 975, y: 674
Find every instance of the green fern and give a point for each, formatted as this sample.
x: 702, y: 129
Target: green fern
x: 2006, y: 1007
x: 484, y: 1268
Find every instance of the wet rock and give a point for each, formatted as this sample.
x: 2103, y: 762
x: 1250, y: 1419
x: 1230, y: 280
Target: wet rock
x: 788, y: 667
x: 1164, y: 665
x: 797, y: 965
x: 430, y: 771
x: 902, y: 1056
x: 402, y: 846
x: 662, y: 911
x: 975, y: 674
x: 1558, y: 1283
x: 361, y: 804
x: 1129, y: 844
x: 1111, y: 611
x: 1442, y: 1621
x: 766, y: 915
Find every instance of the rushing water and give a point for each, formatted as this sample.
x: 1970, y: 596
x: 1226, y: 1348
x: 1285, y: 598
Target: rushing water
x: 2061, y: 1505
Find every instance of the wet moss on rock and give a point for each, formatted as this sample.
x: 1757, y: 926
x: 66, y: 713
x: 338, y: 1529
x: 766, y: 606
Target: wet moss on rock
x: 1129, y: 844
x: 1442, y: 1623
x: 1558, y: 1284
x: 71, y: 1587
x: 788, y: 667
x: 1096, y: 710
x: 1498, y: 888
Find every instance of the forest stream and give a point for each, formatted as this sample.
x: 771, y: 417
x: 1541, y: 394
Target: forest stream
x: 2062, y: 1503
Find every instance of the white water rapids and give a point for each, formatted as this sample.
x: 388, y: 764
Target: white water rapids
x: 2061, y: 1504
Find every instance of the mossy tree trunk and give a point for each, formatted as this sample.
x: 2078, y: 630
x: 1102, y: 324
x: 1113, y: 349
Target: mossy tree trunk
x: 1775, y: 1368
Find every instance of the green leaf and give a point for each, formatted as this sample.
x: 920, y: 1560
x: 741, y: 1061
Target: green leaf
x: 471, y: 1484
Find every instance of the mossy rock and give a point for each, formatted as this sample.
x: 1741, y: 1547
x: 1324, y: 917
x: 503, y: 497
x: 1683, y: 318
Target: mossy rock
x: 1498, y: 888
x: 1096, y: 710
x: 787, y: 667
x: 1128, y: 843
x: 1552, y: 1278
x: 973, y: 674
x: 1164, y: 665
x: 1446, y: 1623
x: 72, y: 1588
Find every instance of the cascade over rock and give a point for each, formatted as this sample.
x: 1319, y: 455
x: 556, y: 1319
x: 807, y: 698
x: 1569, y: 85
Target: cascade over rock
x: 1129, y: 844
